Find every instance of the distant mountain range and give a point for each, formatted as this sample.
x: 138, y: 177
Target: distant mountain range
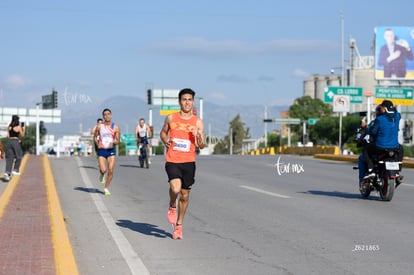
x: 127, y: 110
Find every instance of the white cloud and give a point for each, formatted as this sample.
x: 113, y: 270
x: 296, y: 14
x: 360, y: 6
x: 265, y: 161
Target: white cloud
x: 17, y: 81
x: 300, y: 73
x: 199, y: 46
x: 216, y: 96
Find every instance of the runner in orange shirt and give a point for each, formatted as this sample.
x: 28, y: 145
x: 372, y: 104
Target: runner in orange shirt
x: 181, y: 134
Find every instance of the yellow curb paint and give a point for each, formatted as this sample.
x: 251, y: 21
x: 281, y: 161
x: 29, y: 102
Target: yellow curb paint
x: 64, y: 259
x: 8, y: 192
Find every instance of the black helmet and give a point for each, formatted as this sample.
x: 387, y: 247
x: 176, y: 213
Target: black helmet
x: 389, y: 107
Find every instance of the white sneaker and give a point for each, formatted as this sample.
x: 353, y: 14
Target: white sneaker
x: 6, y: 177
x: 370, y: 175
x: 15, y: 173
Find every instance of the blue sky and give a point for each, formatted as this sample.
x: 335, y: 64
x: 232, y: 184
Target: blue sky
x: 229, y: 52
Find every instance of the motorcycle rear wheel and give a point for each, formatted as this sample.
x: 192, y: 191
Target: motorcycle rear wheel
x: 387, y: 188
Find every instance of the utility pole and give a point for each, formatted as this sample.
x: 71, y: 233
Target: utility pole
x: 265, y: 126
x: 231, y: 141
x: 342, y: 80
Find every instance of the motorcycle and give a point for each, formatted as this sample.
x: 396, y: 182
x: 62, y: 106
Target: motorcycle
x: 386, y: 179
x: 387, y: 166
x: 143, y: 154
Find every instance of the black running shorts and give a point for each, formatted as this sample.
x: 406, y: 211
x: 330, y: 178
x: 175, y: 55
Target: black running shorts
x: 184, y: 171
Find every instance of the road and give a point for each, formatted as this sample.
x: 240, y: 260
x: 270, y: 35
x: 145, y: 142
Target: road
x: 247, y: 215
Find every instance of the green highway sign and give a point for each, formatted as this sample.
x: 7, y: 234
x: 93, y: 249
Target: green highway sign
x: 312, y: 121
x: 169, y: 109
x: 398, y: 95
x: 355, y: 94
x: 130, y: 141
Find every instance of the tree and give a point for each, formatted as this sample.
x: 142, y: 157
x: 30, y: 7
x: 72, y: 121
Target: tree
x: 326, y: 130
x: 306, y: 107
x: 29, y: 139
x: 237, y: 133
x: 273, y: 139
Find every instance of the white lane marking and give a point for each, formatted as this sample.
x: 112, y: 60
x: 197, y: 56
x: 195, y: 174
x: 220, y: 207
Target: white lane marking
x: 408, y: 184
x: 135, y: 264
x: 265, y: 192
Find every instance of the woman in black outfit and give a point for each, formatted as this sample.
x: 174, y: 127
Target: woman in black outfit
x: 14, y: 152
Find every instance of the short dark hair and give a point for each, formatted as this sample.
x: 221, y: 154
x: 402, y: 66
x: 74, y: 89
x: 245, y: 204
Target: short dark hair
x: 186, y: 91
x: 106, y: 110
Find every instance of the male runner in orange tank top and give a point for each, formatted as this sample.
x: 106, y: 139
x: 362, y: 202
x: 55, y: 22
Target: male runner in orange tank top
x: 181, y: 134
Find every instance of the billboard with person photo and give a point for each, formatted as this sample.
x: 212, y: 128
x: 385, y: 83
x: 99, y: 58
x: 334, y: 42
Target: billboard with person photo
x: 393, y: 53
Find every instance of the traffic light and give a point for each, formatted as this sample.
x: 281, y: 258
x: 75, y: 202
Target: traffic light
x: 149, y: 97
x: 54, y: 99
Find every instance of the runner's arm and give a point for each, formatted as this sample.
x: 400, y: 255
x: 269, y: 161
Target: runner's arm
x: 200, y: 140
x: 117, y: 135
x: 96, y: 135
x: 164, y: 132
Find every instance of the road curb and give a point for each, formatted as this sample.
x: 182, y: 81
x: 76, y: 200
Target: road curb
x: 407, y: 162
x: 64, y: 259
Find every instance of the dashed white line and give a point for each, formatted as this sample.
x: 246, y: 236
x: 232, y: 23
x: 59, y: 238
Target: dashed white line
x: 265, y: 192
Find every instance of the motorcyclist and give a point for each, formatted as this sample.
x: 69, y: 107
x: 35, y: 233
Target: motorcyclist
x: 384, y: 130
x: 143, y: 133
x: 363, y: 140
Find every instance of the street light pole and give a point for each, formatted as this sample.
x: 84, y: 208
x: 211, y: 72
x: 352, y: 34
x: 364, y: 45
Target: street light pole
x: 342, y: 80
x: 342, y: 50
x: 37, y: 129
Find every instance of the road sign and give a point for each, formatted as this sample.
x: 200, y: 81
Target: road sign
x: 398, y: 95
x: 341, y: 103
x: 50, y: 101
x: 355, y: 94
x: 312, y: 121
x: 283, y: 120
x: 165, y: 97
x: 130, y: 141
x: 165, y: 110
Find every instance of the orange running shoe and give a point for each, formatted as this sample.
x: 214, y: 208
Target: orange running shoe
x: 172, y: 215
x: 178, y: 232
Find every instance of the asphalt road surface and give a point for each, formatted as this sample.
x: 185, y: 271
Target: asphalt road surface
x: 247, y: 215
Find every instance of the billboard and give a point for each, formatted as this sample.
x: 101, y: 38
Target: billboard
x: 393, y: 53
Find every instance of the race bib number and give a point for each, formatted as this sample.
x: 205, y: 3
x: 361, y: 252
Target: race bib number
x: 182, y: 145
x: 106, y: 141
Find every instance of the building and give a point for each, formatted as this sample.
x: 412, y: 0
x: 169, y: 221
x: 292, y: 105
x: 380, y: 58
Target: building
x: 361, y: 73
